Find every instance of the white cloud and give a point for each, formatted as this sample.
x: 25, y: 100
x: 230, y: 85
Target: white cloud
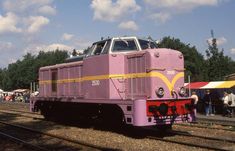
x: 82, y: 43
x: 9, y: 23
x: 22, y: 5
x: 107, y: 10
x: 36, y: 23
x: 181, y: 4
x: 67, y: 36
x: 163, y: 10
x: 12, y: 60
x: 129, y: 25
x: 219, y: 41
x: 47, y: 10
x: 232, y: 51
x: 30, y: 18
x: 5, y: 45
x: 35, y: 48
x: 161, y: 16
x: 58, y: 46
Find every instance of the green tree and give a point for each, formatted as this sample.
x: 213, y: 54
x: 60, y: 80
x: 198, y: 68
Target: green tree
x: 194, y: 62
x: 21, y: 73
x: 217, y: 64
x: 1, y: 78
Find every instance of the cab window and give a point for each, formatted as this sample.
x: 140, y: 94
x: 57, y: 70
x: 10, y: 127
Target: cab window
x: 144, y: 44
x: 106, y: 47
x: 98, y: 48
x: 124, y: 45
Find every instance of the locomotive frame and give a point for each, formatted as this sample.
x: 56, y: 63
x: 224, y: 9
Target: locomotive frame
x: 121, y: 79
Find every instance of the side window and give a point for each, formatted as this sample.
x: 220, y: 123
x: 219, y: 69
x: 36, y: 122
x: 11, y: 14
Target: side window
x: 146, y: 44
x: 124, y: 45
x: 88, y: 51
x: 106, y: 48
x: 99, y: 48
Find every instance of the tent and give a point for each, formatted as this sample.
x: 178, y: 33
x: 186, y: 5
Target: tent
x: 217, y: 89
x: 211, y: 85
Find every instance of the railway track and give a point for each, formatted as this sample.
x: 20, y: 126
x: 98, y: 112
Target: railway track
x: 223, y: 139
x: 53, y: 136
x: 169, y: 140
x: 14, y: 105
x: 197, y: 125
x: 189, y: 144
x: 208, y: 126
x: 28, y: 116
x: 21, y: 111
x: 20, y: 141
x: 174, y: 134
x: 216, y: 121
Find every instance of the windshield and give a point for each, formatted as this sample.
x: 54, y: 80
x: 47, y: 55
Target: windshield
x: 144, y: 44
x: 124, y: 45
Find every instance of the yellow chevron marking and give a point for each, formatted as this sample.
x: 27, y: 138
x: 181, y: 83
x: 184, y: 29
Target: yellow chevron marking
x: 169, y: 84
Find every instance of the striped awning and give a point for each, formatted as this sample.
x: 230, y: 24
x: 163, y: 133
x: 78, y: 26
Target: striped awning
x: 226, y: 84
x: 196, y: 85
x: 211, y: 85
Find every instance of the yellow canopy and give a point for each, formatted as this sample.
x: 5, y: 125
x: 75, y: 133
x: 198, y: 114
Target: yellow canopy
x: 226, y: 84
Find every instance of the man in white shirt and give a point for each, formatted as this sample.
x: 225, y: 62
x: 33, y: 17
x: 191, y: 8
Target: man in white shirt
x: 226, y: 110
x: 231, y: 102
x: 195, y: 98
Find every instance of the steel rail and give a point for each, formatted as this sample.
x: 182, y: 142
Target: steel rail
x: 201, y: 126
x: 13, y: 110
x: 203, y: 137
x: 188, y: 144
x: 38, y: 118
x: 60, y: 137
x: 216, y: 121
x: 18, y: 140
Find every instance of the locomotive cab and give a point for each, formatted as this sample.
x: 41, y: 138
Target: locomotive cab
x: 119, y: 45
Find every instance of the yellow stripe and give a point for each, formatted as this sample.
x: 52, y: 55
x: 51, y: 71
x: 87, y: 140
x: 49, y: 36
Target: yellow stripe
x: 177, y: 77
x: 169, y: 84
x: 226, y: 84
x: 164, y: 79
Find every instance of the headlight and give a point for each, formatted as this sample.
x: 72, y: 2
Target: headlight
x: 182, y: 91
x: 160, y: 92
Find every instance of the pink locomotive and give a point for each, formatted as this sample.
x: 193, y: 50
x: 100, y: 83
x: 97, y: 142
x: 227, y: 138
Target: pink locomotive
x: 122, y: 78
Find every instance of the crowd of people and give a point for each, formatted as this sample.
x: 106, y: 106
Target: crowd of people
x: 209, y: 103
x: 15, y: 96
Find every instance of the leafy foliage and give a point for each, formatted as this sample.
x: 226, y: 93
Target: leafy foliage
x: 21, y: 73
x: 217, y: 65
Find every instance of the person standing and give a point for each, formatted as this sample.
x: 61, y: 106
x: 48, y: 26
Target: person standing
x: 231, y: 102
x: 226, y: 110
x: 208, y: 103
x: 195, y: 100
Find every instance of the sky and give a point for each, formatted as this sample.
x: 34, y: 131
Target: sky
x: 30, y: 26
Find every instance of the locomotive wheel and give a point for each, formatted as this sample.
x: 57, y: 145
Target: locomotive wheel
x: 112, y: 115
x: 47, y: 115
x: 163, y: 128
x: 46, y: 110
